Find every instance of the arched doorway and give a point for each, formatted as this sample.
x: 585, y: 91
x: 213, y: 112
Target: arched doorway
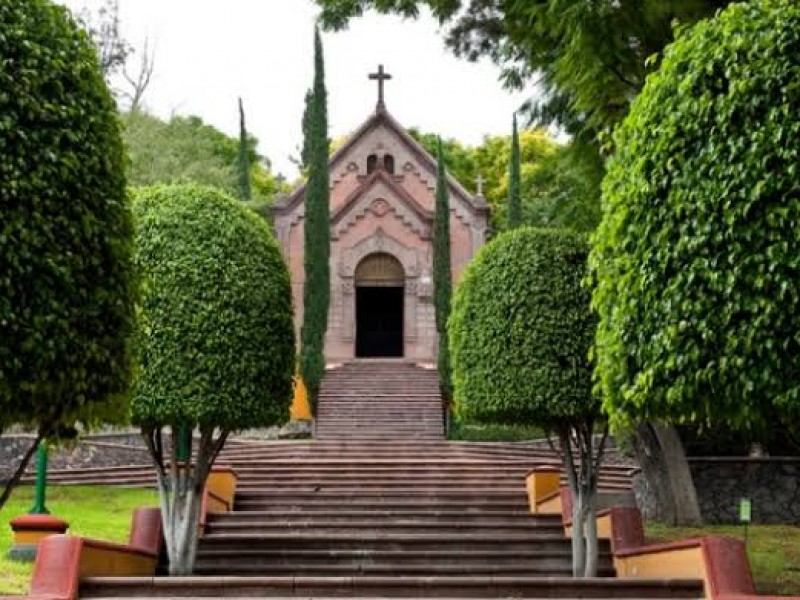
x: 379, y: 282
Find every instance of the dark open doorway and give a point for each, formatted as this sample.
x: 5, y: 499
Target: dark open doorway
x: 379, y: 322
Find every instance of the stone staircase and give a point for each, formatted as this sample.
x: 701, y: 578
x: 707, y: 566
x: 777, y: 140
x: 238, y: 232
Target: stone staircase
x: 378, y: 400
x: 375, y: 511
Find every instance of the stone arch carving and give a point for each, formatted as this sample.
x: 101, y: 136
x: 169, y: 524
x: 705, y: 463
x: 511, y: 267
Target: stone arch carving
x: 380, y: 269
x: 379, y: 242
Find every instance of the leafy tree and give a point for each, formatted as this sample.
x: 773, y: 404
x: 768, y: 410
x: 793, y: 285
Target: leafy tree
x: 697, y: 258
x: 589, y: 58
x: 243, y: 158
x: 317, y: 243
x: 67, y: 289
x: 514, y: 203
x: 559, y: 184
x: 216, y: 342
x: 187, y: 150
x: 520, y: 335
x: 442, y: 278
x: 104, y: 28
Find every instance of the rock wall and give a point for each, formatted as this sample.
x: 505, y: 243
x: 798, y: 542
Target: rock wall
x: 771, y: 483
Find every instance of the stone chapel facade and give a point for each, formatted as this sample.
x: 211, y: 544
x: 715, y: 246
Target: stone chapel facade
x: 382, y: 204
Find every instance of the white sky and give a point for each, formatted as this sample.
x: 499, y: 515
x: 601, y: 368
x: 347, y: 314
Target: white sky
x: 209, y: 52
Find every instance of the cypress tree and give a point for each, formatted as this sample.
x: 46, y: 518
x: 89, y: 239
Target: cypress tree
x: 316, y: 291
x: 514, y: 208
x: 305, y: 151
x: 442, y: 279
x: 243, y: 163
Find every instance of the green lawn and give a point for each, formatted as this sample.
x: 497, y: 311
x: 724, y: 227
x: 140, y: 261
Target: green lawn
x: 97, y: 512
x: 774, y: 552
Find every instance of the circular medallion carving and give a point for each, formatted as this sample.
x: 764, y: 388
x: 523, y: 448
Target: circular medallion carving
x: 380, y: 207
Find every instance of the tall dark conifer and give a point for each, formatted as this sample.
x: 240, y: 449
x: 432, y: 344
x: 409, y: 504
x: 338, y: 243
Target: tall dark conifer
x: 243, y: 162
x: 514, y: 203
x: 442, y: 279
x: 316, y: 291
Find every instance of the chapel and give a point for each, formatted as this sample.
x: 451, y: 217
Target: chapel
x: 382, y: 203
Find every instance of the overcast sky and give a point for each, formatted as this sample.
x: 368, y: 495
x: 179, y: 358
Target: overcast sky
x: 209, y: 52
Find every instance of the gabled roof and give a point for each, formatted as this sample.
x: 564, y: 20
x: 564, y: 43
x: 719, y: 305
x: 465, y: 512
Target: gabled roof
x: 381, y: 176
x: 382, y: 117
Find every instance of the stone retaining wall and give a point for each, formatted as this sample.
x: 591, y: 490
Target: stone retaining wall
x: 772, y: 484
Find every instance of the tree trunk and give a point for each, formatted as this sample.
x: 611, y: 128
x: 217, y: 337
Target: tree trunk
x: 591, y: 531
x: 660, y: 453
x: 180, y: 486
x: 578, y: 544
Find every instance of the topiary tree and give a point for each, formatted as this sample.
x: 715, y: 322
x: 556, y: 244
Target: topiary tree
x: 216, y: 348
x: 697, y: 259
x: 66, y: 283
x: 520, y: 335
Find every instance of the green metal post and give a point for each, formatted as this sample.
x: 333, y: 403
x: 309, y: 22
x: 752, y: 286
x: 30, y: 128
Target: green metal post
x: 183, y: 450
x: 39, y: 507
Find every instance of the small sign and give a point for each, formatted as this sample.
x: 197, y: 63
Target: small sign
x: 745, y: 510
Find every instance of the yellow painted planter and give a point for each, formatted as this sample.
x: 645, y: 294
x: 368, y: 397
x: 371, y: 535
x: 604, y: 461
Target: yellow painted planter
x: 301, y: 408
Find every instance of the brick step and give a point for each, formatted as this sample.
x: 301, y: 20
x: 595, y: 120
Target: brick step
x: 387, y: 484
x: 503, y: 517
x: 377, y: 587
x: 375, y: 505
x: 380, y: 526
x: 552, y: 568
x: 358, y: 558
x: 336, y: 475
x: 368, y: 541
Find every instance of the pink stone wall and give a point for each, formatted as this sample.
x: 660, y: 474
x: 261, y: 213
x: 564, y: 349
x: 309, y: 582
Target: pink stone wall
x: 383, y: 213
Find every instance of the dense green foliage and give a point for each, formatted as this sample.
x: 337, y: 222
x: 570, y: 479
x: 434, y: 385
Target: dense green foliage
x: 588, y: 58
x: 521, y: 330
x: 66, y: 275
x: 697, y: 259
x: 217, y: 340
x: 187, y: 150
x: 243, y: 169
x: 442, y: 278
x: 559, y: 185
x: 317, y: 240
x: 514, y: 202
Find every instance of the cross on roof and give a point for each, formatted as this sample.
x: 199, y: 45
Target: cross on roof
x: 479, y: 180
x: 381, y: 76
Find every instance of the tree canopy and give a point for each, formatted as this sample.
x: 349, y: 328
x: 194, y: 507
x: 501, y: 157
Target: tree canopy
x: 187, y: 150
x: 520, y: 335
x: 558, y: 183
x: 589, y: 58
x: 216, y: 341
x: 697, y: 259
x: 67, y: 288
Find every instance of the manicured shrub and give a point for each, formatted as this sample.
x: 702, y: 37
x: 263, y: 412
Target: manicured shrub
x: 520, y: 335
x: 66, y: 279
x: 216, y: 347
x: 697, y: 259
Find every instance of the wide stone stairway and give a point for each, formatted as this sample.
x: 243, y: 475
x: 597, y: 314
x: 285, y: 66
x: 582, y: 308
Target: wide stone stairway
x: 381, y: 506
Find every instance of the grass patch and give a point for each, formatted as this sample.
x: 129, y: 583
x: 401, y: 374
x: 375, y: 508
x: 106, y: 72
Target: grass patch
x: 465, y: 432
x: 98, y: 512
x: 773, y: 550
